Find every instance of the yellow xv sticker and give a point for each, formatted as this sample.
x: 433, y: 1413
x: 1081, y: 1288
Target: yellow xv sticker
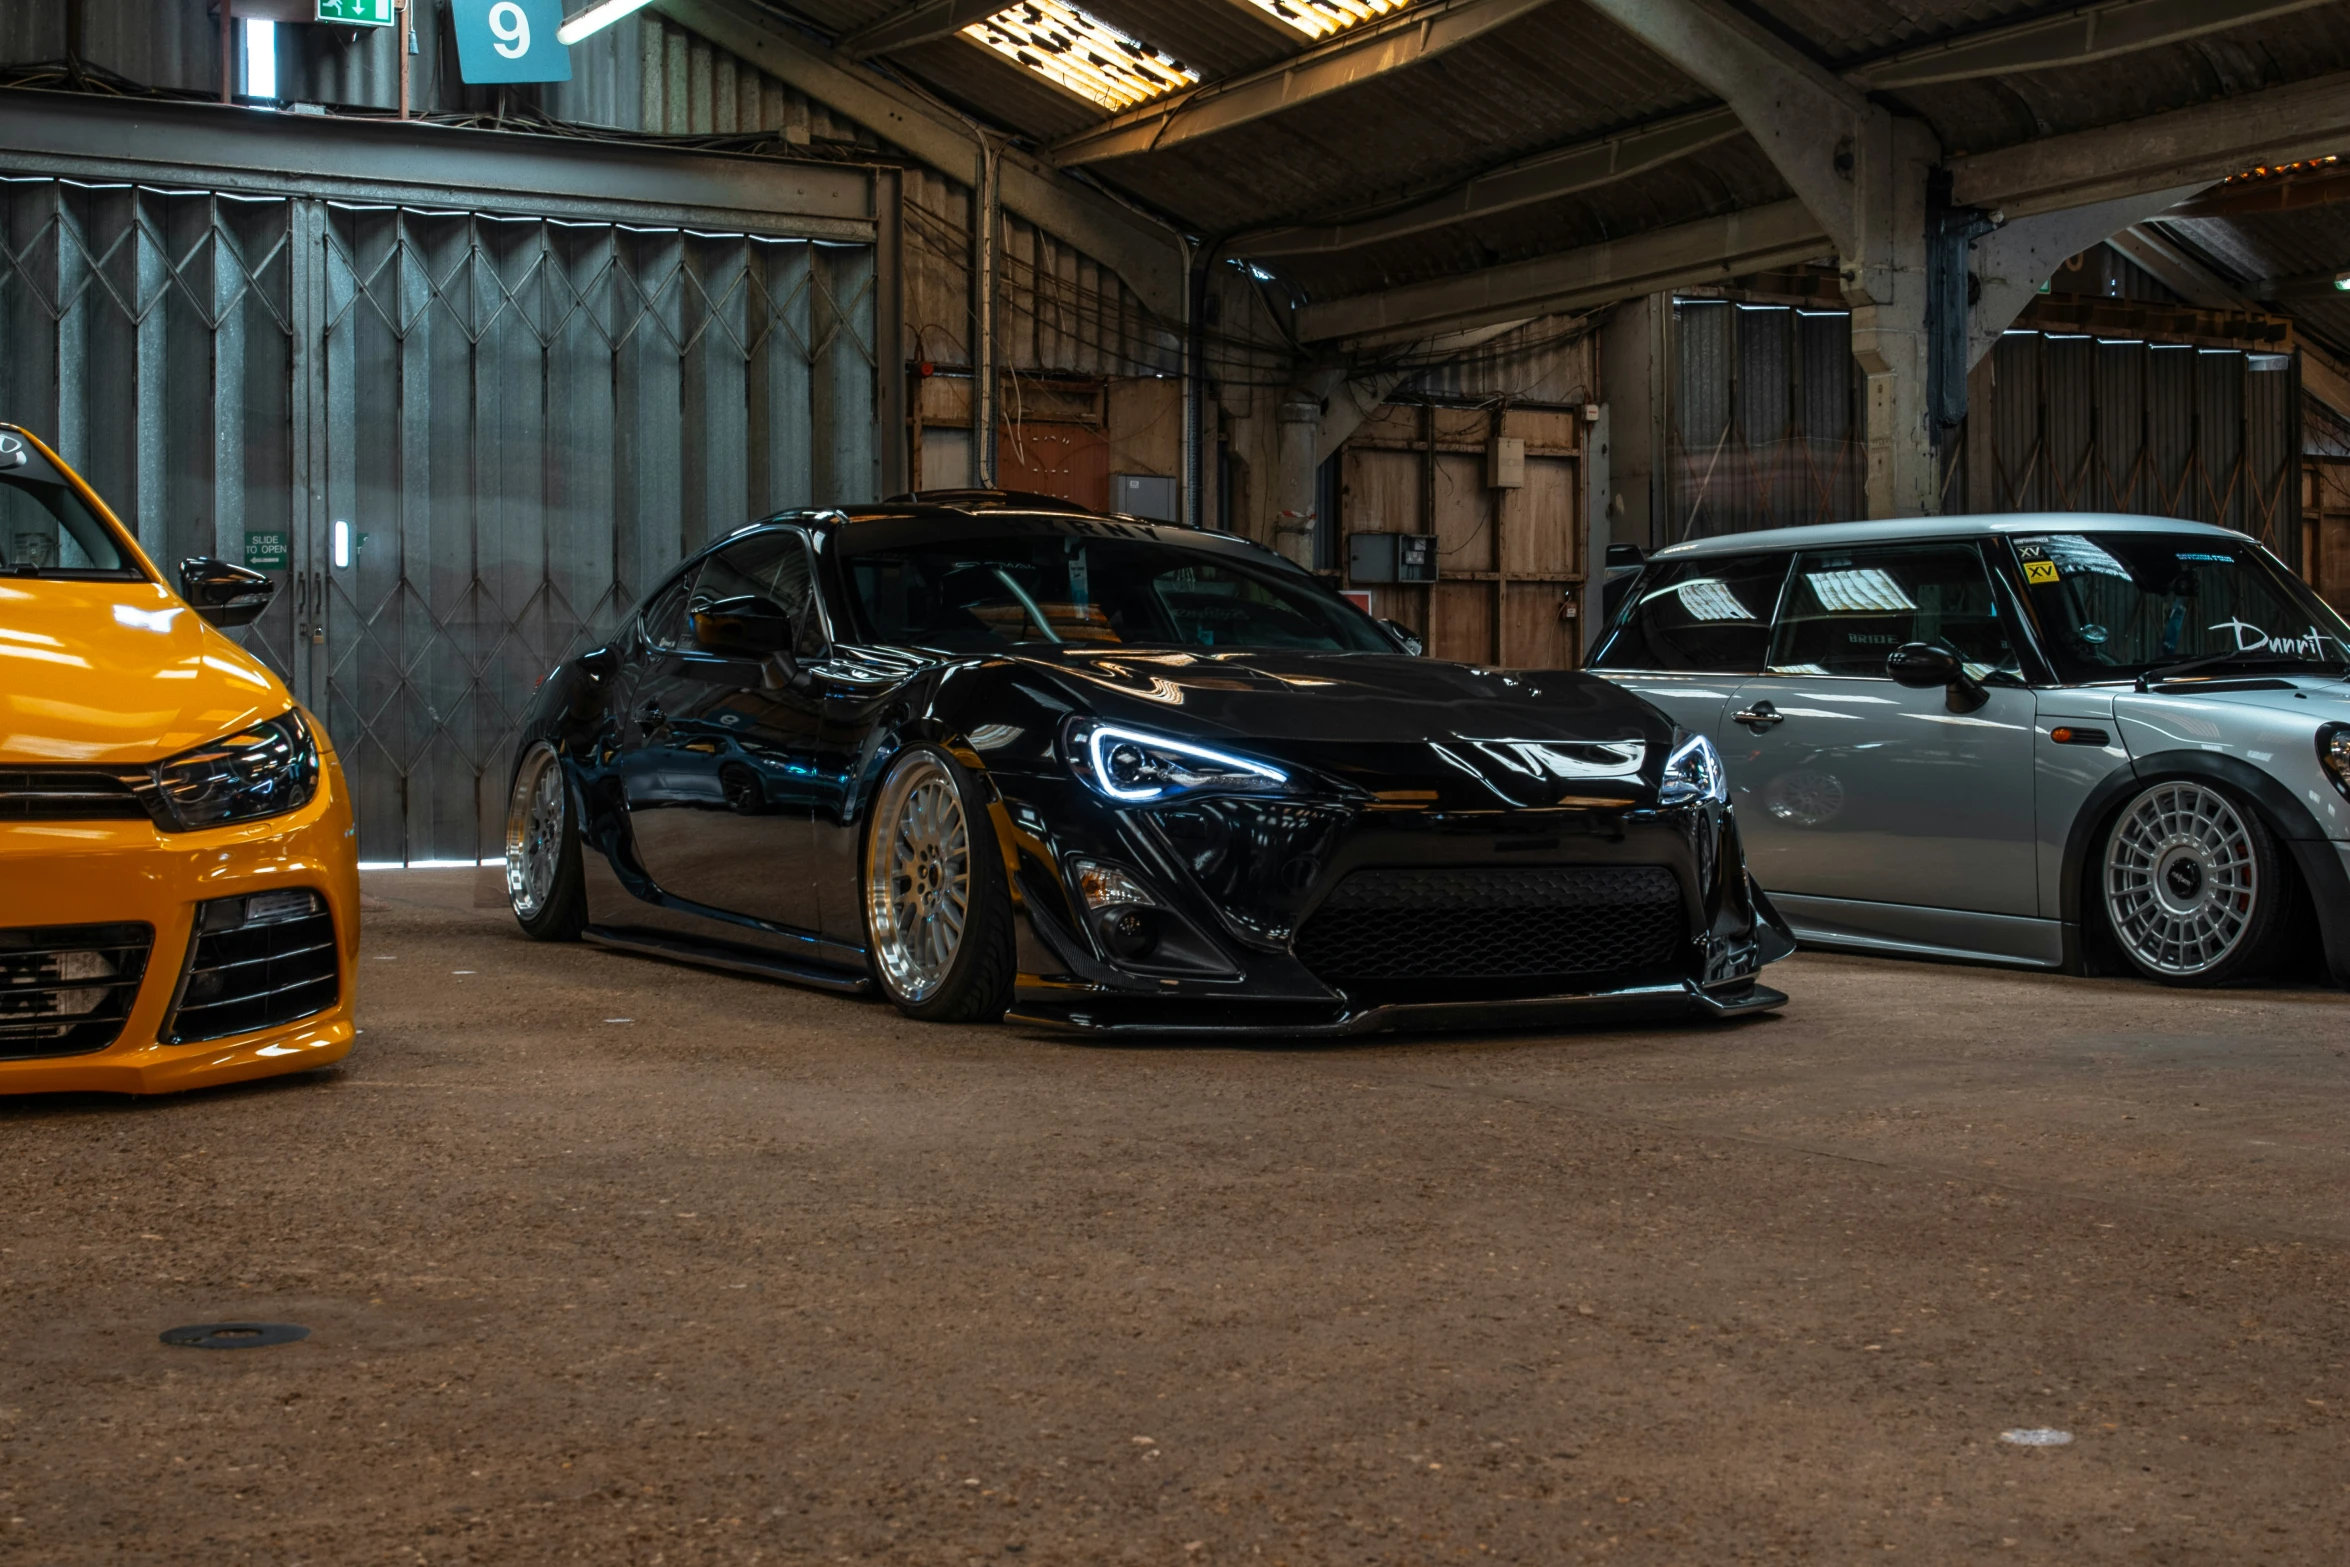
x: 2039, y: 571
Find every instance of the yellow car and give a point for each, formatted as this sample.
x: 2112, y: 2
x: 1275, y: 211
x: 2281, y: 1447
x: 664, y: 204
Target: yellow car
x: 179, y: 884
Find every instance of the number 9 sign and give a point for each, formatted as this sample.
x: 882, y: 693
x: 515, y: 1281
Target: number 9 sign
x: 510, y: 41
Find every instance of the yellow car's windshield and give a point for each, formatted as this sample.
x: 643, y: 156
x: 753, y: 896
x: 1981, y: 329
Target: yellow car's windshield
x: 45, y: 529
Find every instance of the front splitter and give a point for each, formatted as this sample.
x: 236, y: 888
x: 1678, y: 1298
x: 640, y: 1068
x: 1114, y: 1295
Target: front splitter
x: 1635, y: 1003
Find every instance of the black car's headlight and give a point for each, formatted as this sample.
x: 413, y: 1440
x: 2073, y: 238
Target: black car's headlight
x: 265, y: 770
x: 1135, y: 767
x: 1694, y: 774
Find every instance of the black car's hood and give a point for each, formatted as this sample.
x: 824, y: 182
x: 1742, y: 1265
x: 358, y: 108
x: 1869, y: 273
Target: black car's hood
x: 1348, y: 698
x: 1379, y: 722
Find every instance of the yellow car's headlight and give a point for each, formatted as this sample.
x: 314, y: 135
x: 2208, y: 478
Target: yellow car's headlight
x: 267, y: 770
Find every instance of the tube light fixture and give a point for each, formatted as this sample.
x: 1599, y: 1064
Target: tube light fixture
x: 2342, y: 282
x: 595, y: 19
x: 260, y: 58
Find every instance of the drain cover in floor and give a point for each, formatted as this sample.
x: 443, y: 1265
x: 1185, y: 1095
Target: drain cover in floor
x: 235, y: 1335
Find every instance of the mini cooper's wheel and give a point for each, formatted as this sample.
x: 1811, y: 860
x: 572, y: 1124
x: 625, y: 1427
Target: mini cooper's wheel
x: 543, y: 880
x: 2193, y: 884
x: 937, y: 914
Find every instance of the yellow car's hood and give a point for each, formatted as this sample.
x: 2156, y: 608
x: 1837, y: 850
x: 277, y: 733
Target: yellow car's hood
x: 118, y: 672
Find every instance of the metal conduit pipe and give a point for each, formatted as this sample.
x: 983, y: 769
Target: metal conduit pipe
x: 986, y: 233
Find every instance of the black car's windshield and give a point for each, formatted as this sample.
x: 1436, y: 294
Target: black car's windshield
x: 1090, y: 591
x: 2117, y: 605
x: 45, y: 530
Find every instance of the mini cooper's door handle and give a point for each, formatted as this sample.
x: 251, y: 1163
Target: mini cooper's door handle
x: 1759, y: 717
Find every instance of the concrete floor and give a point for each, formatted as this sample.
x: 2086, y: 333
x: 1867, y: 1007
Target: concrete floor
x: 609, y: 1260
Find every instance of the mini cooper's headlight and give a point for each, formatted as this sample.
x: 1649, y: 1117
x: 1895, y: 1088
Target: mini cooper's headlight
x: 1694, y: 774
x: 2333, y: 754
x: 267, y: 770
x: 1134, y: 766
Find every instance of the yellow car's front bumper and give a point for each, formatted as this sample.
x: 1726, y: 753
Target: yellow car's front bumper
x: 124, y: 872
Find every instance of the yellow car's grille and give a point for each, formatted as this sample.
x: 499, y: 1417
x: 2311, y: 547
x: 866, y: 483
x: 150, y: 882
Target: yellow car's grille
x: 66, y: 990
x: 58, y: 794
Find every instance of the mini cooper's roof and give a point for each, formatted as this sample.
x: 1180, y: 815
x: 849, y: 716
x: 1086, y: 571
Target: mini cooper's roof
x: 1909, y: 530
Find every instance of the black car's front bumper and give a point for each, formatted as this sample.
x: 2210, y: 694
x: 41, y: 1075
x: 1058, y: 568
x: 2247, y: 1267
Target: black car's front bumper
x: 1249, y: 879
x: 1101, y: 1015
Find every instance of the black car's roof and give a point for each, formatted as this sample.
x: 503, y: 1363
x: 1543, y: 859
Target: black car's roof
x: 939, y: 515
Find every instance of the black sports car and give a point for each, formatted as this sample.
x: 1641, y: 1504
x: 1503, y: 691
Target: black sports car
x: 988, y: 752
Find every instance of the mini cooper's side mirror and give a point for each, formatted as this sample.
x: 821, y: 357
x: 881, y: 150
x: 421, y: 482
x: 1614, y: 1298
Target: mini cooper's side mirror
x: 1407, y: 636
x: 224, y: 594
x: 1921, y: 666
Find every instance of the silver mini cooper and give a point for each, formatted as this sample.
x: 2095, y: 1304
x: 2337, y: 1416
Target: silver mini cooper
x: 2033, y: 738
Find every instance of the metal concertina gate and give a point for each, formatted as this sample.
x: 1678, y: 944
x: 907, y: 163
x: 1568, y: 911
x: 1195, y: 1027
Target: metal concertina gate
x: 465, y: 443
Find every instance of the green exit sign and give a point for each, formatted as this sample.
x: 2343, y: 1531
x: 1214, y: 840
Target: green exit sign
x: 356, y: 13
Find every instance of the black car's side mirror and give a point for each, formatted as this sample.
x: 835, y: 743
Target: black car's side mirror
x: 1921, y: 666
x: 224, y: 594
x: 745, y: 627
x: 1404, y: 634
x: 752, y: 627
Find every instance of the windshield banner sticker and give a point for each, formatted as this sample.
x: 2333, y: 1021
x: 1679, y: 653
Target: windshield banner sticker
x: 2310, y: 644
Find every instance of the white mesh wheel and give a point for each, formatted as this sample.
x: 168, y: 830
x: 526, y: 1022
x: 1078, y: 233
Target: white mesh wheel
x: 918, y: 878
x: 534, y: 831
x: 2183, y: 879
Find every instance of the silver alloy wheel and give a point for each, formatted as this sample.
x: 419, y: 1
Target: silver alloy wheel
x: 534, y: 830
x: 918, y: 877
x: 2180, y: 878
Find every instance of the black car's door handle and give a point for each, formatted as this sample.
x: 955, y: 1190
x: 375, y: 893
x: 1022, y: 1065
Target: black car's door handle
x: 1759, y: 717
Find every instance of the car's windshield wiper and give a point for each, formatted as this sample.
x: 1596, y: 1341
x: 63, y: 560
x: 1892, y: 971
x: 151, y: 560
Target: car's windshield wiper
x: 2160, y: 673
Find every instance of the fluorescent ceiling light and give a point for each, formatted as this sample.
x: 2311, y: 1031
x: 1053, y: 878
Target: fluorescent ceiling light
x: 260, y: 59
x: 595, y: 19
x: 1321, y: 18
x: 1081, y: 53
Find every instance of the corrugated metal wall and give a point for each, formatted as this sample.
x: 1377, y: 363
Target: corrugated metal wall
x: 2169, y: 430
x: 1764, y: 418
x: 511, y: 425
x: 641, y: 74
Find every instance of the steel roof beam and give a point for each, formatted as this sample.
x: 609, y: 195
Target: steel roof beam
x: 917, y: 24
x: 1542, y: 177
x: 1148, y: 258
x: 2092, y: 33
x: 2197, y: 146
x: 1707, y: 251
x: 1355, y: 56
x: 1815, y: 130
x: 2096, y: 32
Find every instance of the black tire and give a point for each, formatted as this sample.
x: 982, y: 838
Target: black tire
x: 930, y: 833
x: 2192, y: 884
x: 544, y: 883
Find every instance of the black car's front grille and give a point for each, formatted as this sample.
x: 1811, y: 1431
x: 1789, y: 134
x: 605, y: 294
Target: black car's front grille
x: 66, y: 990
x: 258, y: 962
x: 63, y: 794
x: 1471, y: 933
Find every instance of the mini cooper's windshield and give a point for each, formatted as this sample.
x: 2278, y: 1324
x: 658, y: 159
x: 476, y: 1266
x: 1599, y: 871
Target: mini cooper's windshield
x: 45, y: 530
x: 1064, y: 589
x: 2119, y: 605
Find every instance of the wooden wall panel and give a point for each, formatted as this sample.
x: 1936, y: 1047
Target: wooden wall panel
x: 1536, y: 637
x: 1460, y: 622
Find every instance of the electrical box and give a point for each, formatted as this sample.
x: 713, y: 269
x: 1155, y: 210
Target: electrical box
x: 1391, y: 557
x: 1505, y: 462
x: 1143, y: 495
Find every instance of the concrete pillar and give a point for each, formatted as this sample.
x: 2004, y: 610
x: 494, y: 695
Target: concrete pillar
x: 1886, y: 286
x: 1635, y: 377
x: 1294, y: 491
